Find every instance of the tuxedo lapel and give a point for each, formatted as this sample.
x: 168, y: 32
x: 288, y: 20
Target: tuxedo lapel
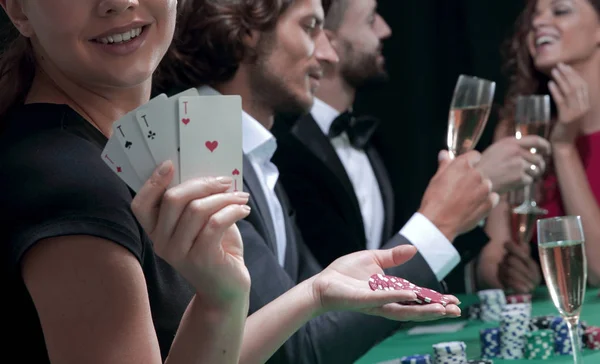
x: 291, y: 232
x: 309, y: 133
x: 258, y: 203
x: 386, y: 189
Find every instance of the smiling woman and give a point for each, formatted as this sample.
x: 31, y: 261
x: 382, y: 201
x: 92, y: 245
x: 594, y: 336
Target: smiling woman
x: 78, y: 267
x: 556, y: 51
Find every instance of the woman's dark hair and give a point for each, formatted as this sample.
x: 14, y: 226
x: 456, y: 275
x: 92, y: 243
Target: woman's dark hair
x: 17, y: 68
x: 209, y: 44
x: 523, y: 77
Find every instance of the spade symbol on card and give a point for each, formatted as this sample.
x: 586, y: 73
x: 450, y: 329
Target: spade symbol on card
x: 128, y: 144
x: 212, y: 145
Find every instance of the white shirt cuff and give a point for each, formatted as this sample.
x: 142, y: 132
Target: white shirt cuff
x: 436, y: 249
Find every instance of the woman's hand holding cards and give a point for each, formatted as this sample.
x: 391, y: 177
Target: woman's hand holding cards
x: 192, y: 226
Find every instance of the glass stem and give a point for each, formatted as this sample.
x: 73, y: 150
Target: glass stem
x: 573, y: 326
x: 527, y: 192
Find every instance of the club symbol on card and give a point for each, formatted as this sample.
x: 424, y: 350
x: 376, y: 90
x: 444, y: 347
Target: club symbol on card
x: 235, y: 173
x: 128, y: 144
x: 151, y: 135
x: 212, y: 145
x: 185, y: 121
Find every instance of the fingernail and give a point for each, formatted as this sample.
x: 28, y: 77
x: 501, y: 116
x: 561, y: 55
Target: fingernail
x: 225, y: 180
x: 165, y: 168
x: 242, y: 194
x: 246, y: 208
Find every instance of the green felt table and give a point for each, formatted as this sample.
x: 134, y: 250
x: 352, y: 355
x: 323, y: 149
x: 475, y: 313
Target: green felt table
x: 402, y: 344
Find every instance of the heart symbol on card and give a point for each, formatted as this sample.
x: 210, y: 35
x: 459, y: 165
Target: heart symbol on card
x: 212, y: 145
x: 235, y: 172
x: 185, y: 121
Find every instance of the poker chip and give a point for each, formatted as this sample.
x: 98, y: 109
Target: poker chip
x: 514, y: 325
x: 474, y: 311
x: 450, y: 352
x: 592, y: 338
x: 539, y: 344
x: 562, y: 342
x: 416, y: 359
x: 540, y: 323
x: 427, y: 295
x: 424, y: 295
x: 518, y: 298
x: 491, y: 303
x: 490, y: 343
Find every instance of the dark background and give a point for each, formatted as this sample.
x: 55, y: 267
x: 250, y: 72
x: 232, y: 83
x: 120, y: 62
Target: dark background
x: 433, y: 42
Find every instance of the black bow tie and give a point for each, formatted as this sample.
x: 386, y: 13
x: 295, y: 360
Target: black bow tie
x: 360, y: 129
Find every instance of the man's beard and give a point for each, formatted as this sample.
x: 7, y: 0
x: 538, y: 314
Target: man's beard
x: 362, y: 69
x: 271, y: 89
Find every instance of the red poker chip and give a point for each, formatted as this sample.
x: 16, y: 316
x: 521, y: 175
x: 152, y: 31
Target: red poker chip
x: 430, y: 296
x: 592, y: 334
x: 518, y: 298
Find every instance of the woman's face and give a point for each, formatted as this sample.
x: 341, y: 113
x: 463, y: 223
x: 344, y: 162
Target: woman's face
x: 97, y: 43
x: 563, y: 31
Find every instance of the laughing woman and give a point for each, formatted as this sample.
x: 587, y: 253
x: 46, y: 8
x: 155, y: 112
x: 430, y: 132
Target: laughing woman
x: 556, y: 51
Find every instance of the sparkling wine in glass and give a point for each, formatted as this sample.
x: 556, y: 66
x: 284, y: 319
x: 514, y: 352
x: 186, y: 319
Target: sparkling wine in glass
x: 562, y: 253
x: 469, y: 112
x: 532, y: 117
x: 522, y: 220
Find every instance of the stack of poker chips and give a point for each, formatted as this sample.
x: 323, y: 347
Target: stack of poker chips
x: 514, y: 325
x: 416, y: 359
x: 592, y: 338
x: 450, y: 352
x: 562, y: 343
x: 492, y: 302
x: 490, y: 343
x: 539, y: 344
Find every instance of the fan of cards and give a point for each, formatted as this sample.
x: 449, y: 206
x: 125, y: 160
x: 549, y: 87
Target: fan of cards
x: 380, y: 282
x: 200, y: 132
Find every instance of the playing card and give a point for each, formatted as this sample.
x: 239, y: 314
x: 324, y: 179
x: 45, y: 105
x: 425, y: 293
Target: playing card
x: 210, y: 137
x: 132, y: 141
x: 114, y: 156
x: 160, y: 128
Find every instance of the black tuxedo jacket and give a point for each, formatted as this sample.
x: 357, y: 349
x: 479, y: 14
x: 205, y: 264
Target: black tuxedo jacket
x: 328, y: 212
x: 335, y: 337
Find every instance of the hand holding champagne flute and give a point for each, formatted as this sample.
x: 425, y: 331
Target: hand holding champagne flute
x: 469, y: 112
x: 564, y: 264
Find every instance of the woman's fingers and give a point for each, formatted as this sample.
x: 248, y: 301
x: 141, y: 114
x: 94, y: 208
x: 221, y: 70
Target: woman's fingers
x: 176, y: 199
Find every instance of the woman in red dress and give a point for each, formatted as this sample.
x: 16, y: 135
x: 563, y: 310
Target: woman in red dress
x: 556, y: 51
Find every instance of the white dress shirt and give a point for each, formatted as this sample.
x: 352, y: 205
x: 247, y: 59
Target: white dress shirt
x: 259, y: 145
x: 435, y: 248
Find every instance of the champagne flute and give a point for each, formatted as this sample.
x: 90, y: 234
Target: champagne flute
x: 562, y: 253
x: 532, y: 117
x: 469, y: 112
x: 522, y: 220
